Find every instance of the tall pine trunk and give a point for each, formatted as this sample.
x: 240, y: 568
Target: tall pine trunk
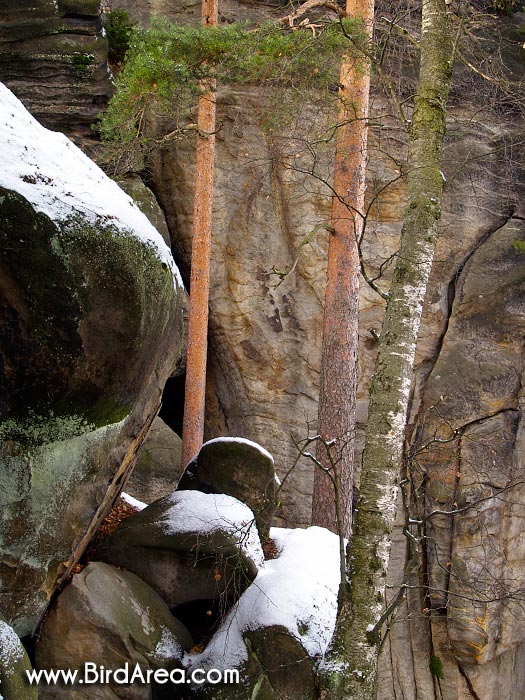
x: 336, y: 416
x: 194, y: 402
x: 358, y: 630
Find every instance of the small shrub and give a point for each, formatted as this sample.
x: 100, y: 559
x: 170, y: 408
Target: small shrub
x: 82, y: 61
x: 118, y: 28
x: 436, y: 667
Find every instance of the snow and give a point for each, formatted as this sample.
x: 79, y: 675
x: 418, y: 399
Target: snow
x: 206, y: 513
x: 143, y: 615
x: 60, y: 181
x: 298, y: 590
x: 10, y: 647
x: 242, y: 441
x: 168, y: 647
x: 139, y: 505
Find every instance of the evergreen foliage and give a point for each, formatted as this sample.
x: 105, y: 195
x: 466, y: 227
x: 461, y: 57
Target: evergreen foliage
x: 118, y: 28
x: 167, y: 66
x: 436, y: 667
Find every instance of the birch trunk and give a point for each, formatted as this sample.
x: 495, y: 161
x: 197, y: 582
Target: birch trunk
x: 195, y: 388
x: 357, y: 638
x: 336, y: 416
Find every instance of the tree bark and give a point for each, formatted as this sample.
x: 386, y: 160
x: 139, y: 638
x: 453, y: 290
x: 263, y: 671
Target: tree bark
x: 336, y: 414
x: 195, y: 388
x: 361, y: 616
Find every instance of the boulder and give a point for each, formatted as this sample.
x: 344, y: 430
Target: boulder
x: 189, y: 546
x: 146, y: 202
x: 239, y: 468
x: 282, y: 624
x: 158, y: 465
x: 89, y: 331
x: 110, y: 618
x: 14, y: 663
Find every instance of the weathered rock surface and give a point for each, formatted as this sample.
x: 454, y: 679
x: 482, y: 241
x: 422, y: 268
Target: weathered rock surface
x: 277, y: 668
x: 470, y: 420
x: 53, y: 55
x: 14, y: 663
x: 158, y: 469
x: 473, y: 398
x: 239, y: 468
x: 148, y: 205
x: 110, y: 618
x: 89, y: 331
x: 146, y: 202
x: 179, y: 11
x: 189, y: 546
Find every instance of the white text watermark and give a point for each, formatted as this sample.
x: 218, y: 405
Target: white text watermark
x: 129, y: 674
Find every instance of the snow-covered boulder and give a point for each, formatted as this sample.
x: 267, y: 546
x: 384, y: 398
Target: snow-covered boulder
x: 89, y: 331
x: 14, y: 663
x: 281, y: 625
x: 189, y: 546
x: 109, y: 618
x: 239, y: 468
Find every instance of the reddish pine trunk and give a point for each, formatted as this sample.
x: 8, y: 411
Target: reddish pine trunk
x: 193, y: 425
x: 336, y: 417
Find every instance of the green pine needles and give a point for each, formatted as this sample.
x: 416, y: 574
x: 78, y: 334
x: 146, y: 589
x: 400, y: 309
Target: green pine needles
x: 166, y: 65
x: 436, y: 667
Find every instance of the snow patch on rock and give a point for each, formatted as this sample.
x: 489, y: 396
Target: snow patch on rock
x: 206, y: 513
x: 59, y: 180
x: 134, y: 502
x: 298, y: 591
x: 168, y: 646
x: 10, y: 647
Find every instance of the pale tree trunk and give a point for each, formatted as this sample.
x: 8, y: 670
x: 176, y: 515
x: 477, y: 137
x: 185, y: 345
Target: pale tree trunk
x: 194, y: 402
x: 358, y: 631
x: 336, y: 416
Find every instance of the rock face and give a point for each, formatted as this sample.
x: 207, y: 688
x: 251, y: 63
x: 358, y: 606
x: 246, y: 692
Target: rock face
x: 110, y: 618
x: 239, y: 468
x: 14, y: 663
x: 472, y: 401
x: 146, y: 202
x: 89, y: 330
x: 264, y: 342
x: 189, y: 546
x: 158, y: 466
x: 53, y: 55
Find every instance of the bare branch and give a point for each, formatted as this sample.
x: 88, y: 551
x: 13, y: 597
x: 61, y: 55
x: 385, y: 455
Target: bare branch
x: 310, y: 5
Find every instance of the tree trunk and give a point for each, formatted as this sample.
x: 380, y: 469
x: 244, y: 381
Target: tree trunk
x: 194, y: 402
x: 336, y: 416
x: 358, y: 631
